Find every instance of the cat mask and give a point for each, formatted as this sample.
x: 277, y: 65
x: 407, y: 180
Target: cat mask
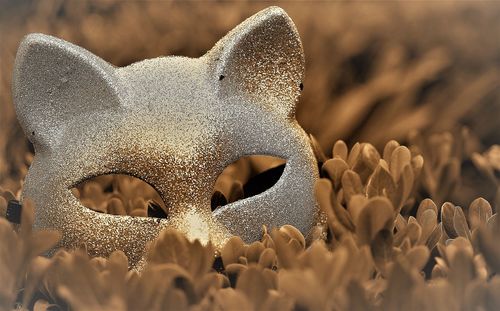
x: 175, y: 123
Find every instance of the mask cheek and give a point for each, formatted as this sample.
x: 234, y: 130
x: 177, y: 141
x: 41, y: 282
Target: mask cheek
x: 289, y: 201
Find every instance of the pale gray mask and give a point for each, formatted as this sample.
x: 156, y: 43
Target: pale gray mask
x: 175, y: 123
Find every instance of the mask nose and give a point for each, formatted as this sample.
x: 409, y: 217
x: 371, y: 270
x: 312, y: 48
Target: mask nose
x: 198, y: 223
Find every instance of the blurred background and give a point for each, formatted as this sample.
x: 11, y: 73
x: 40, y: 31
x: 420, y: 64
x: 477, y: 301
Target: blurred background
x: 375, y: 70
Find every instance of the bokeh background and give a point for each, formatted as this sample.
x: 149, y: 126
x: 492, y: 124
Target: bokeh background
x: 375, y: 70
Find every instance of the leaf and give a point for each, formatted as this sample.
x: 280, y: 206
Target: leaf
x: 406, y: 184
x: 381, y: 248
x: 8, y: 195
x: 243, y: 260
x: 493, y: 221
x: 400, y: 158
x: 253, y: 251
x: 277, y: 302
x: 201, y: 258
x: 351, y: 184
x: 400, y: 285
x: 343, y: 216
x: 400, y: 236
x: 255, y: 286
x: 292, y: 233
x: 233, y: 270
x: 460, y: 223
x: 317, y: 150
x: 286, y: 253
x: 367, y: 162
x: 42, y: 305
x: 414, y: 231
x: 380, y: 183
x: 323, y: 191
x: 357, y: 297
x: 462, y: 271
x: 230, y: 299
x: 384, y: 164
x: 476, y: 295
x: 438, y: 271
x: 434, y: 237
x: 27, y: 219
x: 447, y: 214
x: 340, y: 150
x: 428, y: 222
x: 36, y: 270
x: 352, y: 158
x: 417, y: 163
x: 425, y: 205
x: 323, y: 188
x: 210, y: 282
x: 493, y: 156
x: 483, y: 166
x: 3, y: 207
x: 115, y: 207
x: 376, y: 215
x: 355, y: 206
x: 139, y: 212
x: 334, y: 169
x: 299, y: 285
x: 235, y: 192
x: 170, y: 247
x: 418, y: 257
x: 479, y: 212
x: 489, y: 248
x: 267, y: 258
x: 389, y: 149
x: 43, y: 240
x: 232, y: 250
x: 448, y: 179
x: 400, y: 222
x: 267, y: 240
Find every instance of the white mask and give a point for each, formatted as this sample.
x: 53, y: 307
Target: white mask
x: 175, y: 123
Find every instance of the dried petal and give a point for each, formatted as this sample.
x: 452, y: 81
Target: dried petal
x: 479, y: 212
x: 340, y: 150
x: 351, y: 184
x: 460, y: 223
x: 376, y: 215
x: 334, y: 169
x: 447, y: 214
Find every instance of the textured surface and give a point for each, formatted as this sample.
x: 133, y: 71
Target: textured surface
x: 175, y: 123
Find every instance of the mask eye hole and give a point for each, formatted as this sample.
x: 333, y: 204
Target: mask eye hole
x: 120, y: 194
x: 246, y: 177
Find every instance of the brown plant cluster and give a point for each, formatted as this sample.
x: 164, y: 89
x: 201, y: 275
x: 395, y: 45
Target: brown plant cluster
x: 381, y: 247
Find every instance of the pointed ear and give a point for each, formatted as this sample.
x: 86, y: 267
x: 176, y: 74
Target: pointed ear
x: 261, y: 59
x: 55, y: 81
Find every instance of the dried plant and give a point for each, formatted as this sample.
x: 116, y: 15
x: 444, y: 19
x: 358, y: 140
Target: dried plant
x: 377, y: 260
x: 20, y: 268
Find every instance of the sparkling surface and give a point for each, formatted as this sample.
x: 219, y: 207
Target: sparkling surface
x: 174, y: 122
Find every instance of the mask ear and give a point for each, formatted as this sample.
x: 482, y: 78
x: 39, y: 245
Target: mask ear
x: 261, y: 59
x: 55, y: 81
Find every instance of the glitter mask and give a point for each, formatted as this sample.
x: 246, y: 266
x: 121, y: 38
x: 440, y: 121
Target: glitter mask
x: 175, y: 123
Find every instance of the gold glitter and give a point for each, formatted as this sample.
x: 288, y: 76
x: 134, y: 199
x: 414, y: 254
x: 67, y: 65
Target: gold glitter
x: 174, y: 122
